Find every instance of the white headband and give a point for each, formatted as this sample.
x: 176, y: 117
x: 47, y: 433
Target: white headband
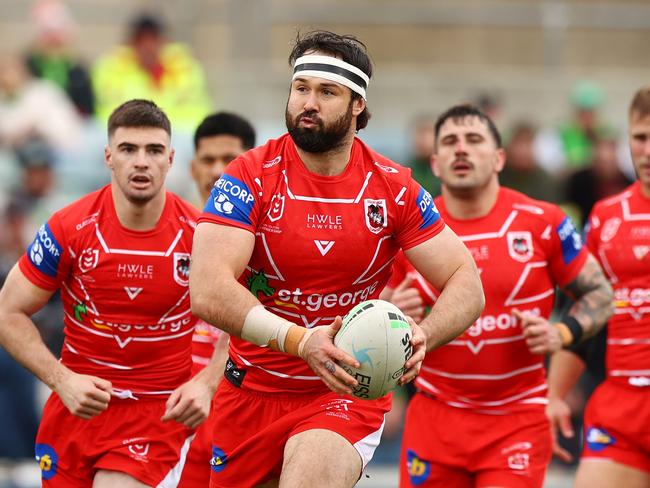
x: 332, y: 69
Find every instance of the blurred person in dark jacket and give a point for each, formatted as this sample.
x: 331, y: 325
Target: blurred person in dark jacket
x: 602, y: 178
x: 522, y: 172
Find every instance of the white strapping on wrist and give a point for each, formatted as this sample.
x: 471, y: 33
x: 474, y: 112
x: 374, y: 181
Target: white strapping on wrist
x: 264, y: 328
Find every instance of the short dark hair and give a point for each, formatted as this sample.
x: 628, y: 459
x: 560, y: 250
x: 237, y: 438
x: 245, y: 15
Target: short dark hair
x: 640, y: 105
x: 138, y: 113
x: 346, y: 47
x: 226, y: 123
x: 145, y: 23
x: 463, y: 111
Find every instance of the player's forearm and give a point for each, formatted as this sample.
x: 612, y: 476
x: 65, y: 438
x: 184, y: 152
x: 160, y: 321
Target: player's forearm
x: 564, y: 370
x: 21, y: 339
x: 460, y: 303
x: 593, y: 298
x: 222, y: 302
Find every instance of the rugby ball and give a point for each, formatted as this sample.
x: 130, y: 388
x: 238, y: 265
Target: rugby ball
x: 376, y: 334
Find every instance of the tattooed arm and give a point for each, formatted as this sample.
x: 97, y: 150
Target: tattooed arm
x: 592, y: 308
x: 594, y: 298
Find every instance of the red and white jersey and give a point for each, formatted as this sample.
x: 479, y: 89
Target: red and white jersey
x: 523, y: 248
x: 204, y: 340
x: 619, y: 236
x: 322, y: 244
x: 125, y: 293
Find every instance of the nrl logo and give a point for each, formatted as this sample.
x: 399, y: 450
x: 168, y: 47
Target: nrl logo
x: 88, y: 260
x: 182, y: 268
x: 375, y: 211
x: 277, y: 207
x: 520, y: 246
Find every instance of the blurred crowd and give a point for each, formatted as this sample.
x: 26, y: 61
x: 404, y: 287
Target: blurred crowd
x: 53, y: 107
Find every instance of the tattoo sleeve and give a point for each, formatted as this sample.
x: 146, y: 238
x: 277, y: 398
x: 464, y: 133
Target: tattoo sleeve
x: 593, y: 297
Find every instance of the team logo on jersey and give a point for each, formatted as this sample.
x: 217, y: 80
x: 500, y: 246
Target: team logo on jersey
x: 376, y: 214
x: 520, y: 245
x: 257, y: 283
x: 570, y: 240
x: 519, y: 461
x: 88, y: 260
x: 45, y: 252
x: 139, y: 451
x: 387, y: 169
x: 277, y: 207
x: 47, y: 460
x: 598, y: 439
x: 610, y: 228
x: 219, y: 459
x: 418, y: 469
x: 182, y: 268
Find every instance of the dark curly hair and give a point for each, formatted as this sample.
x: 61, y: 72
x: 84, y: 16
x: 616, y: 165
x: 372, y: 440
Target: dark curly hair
x: 346, y: 47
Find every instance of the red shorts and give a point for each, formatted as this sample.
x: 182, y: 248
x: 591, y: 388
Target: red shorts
x: 196, y: 471
x: 449, y: 446
x: 127, y: 437
x: 616, y: 425
x: 252, y: 428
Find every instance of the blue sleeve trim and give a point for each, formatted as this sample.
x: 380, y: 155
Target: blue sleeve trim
x: 231, y: 199
x: 45, y: 251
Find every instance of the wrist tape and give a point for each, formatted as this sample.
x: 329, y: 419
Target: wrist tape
x: 264, y: 328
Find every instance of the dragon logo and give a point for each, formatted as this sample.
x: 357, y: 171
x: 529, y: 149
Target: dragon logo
x: 257, y: 283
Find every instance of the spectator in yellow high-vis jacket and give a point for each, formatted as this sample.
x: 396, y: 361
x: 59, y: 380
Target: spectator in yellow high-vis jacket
x: 149, y: 66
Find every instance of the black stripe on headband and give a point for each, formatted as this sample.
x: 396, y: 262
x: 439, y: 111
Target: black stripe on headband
x: 332, y: 69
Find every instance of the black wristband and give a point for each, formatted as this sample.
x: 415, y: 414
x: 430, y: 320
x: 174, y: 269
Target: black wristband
x: 575, y: 328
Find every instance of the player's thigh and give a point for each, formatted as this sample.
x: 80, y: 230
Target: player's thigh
x: 604, y: 473
x: 111, y: 479
x: 320, y: 458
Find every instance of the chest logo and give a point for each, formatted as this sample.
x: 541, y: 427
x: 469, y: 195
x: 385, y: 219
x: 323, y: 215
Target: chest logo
x: 610, y: 228
x: 520, y: 246
x: 132, y: 291
x: 277, y: 207
x: 88, y: 260
x: 376, y: 214
x: 182, y: 268
x: 258, y: 283
x: 640, y: 252
x: 324, y: 246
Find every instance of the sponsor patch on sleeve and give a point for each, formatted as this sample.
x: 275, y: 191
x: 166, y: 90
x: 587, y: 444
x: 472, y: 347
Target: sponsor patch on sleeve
x: 45, y: 252
x: 570, y: 240
x: 231, y: 199
x: 428, y: 210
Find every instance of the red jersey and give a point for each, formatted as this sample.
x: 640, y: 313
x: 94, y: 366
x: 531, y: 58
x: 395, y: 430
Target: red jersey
x: 619, y: 236
x: 523, y: 248
x: 204, y: 339
x: 125, y: 293
x: 322, y: 244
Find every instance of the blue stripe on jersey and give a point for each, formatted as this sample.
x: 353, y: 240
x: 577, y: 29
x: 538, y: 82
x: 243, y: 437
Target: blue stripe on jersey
x: 231, y: 199
x: 570, y: 240
x: 428, y: 210
x: 45, y: 252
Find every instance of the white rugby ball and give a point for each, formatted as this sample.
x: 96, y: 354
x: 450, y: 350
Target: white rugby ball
x: 376, y: 334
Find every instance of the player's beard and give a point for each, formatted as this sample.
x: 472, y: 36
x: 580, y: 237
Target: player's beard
x: 322, y: 139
